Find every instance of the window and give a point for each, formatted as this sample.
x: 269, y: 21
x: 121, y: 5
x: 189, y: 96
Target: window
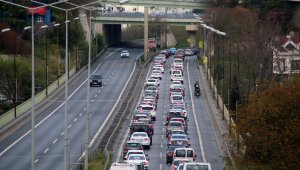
x: 134, y: 9
x: 190, y: 153
x: 39, y: 19
x: 295, y: 65
x: 180, y: 153
x: 290, y: 47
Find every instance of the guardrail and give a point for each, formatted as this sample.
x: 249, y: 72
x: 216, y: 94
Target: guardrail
x: 9, y: 116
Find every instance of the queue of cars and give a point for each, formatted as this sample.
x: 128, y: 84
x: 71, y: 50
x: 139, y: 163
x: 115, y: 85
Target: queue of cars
x: 179, y: 154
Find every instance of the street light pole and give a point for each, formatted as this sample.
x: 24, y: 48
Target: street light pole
x: 66, y: 140
x: 32, y: 94
x: 145, y: 33
x: 88, y: 116
x: 46, y: 56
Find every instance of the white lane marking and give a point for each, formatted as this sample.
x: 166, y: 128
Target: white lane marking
x: 162, y: 136
x: 46, y: 150
x: 96, y: 95
x: 92, y: 101
x: 99, y: 91
x: 111, y: 111
x: 69, y: 126
x: 160, y: 155
x: 195, y: 117
x: 75, y: 120
x: 55, y: 141
x: 84, y: 109
x: 80, y: 114
x: 36, y: 161
x: 160, y: 166
x: 161, y: 145
x: 62, y: 104
x: 62, y: 133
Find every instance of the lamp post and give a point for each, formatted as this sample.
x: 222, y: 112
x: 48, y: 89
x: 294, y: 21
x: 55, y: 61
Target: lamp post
x: 46, y: 58
x: 58, y: 63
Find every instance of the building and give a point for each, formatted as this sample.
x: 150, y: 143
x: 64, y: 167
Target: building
x: 286, y: 55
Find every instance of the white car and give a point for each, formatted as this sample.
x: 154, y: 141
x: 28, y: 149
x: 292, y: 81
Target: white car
x: 142, y: 138
x: 176, y: 98
x: 150, y: 109
x: 129, y: 152
x: 176, y: 84
x: 157, y: 73
x: 152, y: 76
x: 177, y: 77
x: 152, y: 82
x: 159, y: 67
x: 137, y: 159
x: 125, y: 54
x: 196, y: 165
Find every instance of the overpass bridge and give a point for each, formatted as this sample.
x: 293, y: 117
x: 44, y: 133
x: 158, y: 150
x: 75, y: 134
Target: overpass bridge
x: 137, y: 18
x: 188, y: 4
x: 111, y: 23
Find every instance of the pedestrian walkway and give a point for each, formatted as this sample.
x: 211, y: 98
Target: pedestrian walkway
x: 220, y: 125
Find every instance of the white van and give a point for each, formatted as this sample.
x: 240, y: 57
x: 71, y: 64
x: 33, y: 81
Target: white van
x: 196, y: 166
x: 185, y: 153
x: 126, y: 166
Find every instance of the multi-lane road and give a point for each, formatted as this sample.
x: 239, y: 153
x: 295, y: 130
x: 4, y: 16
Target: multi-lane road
x: 15, y: 149
x: 200, y: 130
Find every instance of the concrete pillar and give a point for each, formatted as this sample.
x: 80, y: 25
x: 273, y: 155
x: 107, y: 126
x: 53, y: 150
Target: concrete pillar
x: 192, y: 38
x: 192, y: 30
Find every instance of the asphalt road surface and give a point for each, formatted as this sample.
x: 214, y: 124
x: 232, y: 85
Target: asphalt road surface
x: 200, y: 130
x: 15, y: 150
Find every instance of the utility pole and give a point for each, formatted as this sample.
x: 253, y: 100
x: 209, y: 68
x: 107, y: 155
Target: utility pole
x: 145, y: 33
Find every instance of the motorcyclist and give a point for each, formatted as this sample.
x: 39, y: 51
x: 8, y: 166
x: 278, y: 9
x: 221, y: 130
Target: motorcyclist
x: 197, y: 86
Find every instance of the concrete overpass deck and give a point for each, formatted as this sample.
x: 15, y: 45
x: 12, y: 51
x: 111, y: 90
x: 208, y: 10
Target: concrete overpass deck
x: 138, y: 18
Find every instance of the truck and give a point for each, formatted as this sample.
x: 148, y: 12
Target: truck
x: 152, y: 45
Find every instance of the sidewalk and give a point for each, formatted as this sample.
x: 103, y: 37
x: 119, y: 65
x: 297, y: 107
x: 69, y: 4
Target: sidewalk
x: 220, y: 126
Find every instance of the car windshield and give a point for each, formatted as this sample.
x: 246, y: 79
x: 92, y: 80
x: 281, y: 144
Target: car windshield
x: 139, y: 135
x: 177, y: 97
x: 140, y: 127
x: 96, y: 77
x: 180, y: 153
x: 136, y: 145
x: 175, y: 124
x: 178, y: 137
x: 136, y: 157
x: 196, y: 167
x: 125, y: 51
x: 147, y: 108
x: 178, y: 132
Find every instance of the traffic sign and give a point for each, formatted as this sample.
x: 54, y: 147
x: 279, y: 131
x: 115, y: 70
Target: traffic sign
x: 205, y: 61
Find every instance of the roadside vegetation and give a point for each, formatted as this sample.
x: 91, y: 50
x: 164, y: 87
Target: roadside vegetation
x: 264, y: 106
x: 17, y: 42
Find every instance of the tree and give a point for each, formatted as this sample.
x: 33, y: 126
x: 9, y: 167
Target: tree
x: 270, y: 125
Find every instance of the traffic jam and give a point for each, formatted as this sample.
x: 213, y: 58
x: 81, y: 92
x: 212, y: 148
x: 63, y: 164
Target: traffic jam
x: 179, y: 155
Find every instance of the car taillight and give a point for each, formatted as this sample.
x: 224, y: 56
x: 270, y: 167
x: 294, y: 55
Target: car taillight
x: 125, y: 149
x: 132, y: 139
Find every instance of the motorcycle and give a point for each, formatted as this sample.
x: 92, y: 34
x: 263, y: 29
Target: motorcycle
x: 197, y: 92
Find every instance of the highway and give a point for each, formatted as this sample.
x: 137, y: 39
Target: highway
x: 200, y: 131
x: 15, y: 150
